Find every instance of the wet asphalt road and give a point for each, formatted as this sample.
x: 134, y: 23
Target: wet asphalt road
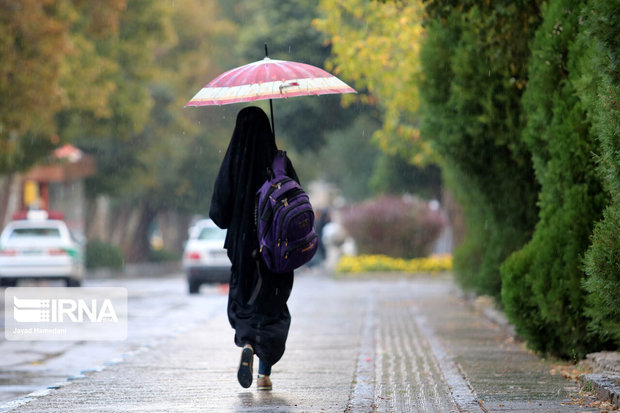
x: 383, y: 344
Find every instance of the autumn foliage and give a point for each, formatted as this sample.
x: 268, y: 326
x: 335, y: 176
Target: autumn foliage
x: 377, y: 44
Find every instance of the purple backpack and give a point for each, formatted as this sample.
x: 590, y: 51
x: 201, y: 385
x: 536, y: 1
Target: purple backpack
x: 284, y: 221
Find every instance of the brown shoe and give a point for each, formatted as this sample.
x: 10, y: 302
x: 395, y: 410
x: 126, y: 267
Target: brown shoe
x: 263, y: 382
x: 244, y: 374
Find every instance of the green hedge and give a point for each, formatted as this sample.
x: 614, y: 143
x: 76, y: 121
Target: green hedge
x: 598, y: 44
x: 164, y: 255
x: 100, y: 254
x: 547, y: 274
x: 520, y: 101
x: 475, y: 68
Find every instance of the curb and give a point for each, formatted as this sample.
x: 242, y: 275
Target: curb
x: 137, y: 270
x: 604, y: 381
x: 605, y: 386
x: 485, y: 305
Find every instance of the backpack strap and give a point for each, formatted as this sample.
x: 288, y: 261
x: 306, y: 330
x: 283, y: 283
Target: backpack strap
x: 279, y: 163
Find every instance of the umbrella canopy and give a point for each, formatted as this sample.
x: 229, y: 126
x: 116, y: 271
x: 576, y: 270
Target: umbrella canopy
x: 268, y: 79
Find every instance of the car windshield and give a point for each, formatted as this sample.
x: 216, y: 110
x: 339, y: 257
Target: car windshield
x: 35, y: 232
x: 211, y: 233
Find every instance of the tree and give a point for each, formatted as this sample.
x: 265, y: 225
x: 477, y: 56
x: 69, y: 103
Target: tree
x: 376, y: 45
x: 33, y: 42
x: 347, y: 159
x: 167, y: 161
x: 287, y: 29
x: 112, y: 131
x: 182, y: 157
x: 49, y: 65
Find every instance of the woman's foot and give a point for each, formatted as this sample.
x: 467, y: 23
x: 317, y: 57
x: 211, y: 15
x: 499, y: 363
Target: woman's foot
x: 244, y: 374
x: 263, y: 382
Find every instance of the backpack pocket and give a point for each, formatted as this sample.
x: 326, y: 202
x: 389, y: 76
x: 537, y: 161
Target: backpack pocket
x: 299, y: 253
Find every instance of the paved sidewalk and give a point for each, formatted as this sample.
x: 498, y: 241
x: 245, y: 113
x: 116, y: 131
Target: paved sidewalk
x: 394, y: 345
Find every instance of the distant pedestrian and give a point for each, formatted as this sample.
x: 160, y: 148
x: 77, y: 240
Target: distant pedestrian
x: 322, y: 218
x: 257, y: 298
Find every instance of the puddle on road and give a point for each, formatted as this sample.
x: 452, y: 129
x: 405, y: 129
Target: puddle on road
x: 14, y: 384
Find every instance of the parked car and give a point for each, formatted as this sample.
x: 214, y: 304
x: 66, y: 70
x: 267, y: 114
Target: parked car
x: 205, y: 259
x: 37, y: 247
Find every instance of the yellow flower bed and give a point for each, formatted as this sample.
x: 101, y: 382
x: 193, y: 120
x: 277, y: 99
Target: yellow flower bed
x: 372, y: 263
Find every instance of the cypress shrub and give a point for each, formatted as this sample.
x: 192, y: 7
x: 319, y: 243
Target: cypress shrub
x: 475, y: 257
x: 598, y: 45
x: 602, y: 264
x: 542, y: 290
x: 475, y: 64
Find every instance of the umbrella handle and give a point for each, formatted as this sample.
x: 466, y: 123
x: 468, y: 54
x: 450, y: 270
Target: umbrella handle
x: 273, y: 128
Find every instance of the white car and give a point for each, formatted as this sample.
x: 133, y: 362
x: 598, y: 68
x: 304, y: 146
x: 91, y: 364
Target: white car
x: 205, y: 260
x: 40, y: 248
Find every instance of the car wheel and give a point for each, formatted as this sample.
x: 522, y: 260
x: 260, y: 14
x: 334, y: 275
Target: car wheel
x: 194, y: 287
x: 72, y: 282
x: 8, y: 282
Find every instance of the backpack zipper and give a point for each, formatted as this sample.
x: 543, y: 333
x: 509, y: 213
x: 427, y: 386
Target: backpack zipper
x: 288, y: 219
x: 271, y: 190
x: 300, y: 243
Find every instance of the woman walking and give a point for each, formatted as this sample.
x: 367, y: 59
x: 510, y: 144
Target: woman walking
x: 257, y: 298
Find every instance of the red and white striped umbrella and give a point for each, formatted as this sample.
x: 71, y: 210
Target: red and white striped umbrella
x: 268, y: 79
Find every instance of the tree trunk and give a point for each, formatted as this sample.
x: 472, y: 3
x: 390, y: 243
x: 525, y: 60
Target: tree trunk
x: 137, y: 250
x: 98, y: 218
x: 126, y: 226
x: 455, y: 218
x: 173, y: 228
x: 5, y: 192
x: 10, y: 196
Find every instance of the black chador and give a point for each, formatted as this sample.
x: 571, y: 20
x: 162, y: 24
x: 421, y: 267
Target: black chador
x: 257, y: 299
